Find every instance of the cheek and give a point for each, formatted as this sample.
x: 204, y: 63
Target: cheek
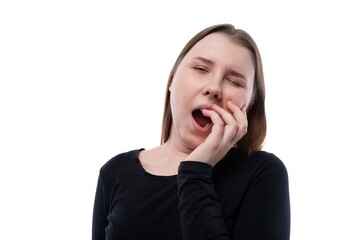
x: 178, y: 94
x: 239, y: 98
x: 245, y: 98
x: 248, y: 98
x: 177, y: 85
x: 183, y: 87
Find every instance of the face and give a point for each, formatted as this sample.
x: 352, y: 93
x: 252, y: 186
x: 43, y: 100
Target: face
x: 214, y: 71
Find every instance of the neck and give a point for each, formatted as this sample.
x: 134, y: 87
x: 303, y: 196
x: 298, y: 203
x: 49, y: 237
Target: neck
x: 163, y: 160
x: 171, y: 152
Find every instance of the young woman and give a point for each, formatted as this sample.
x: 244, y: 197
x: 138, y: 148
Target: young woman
x: 209, y: 178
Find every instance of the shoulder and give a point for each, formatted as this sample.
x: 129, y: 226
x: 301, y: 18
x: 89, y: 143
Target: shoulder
x: 269, y: 170
x: 257, y: 164
x: 120, y: 159
x: 118, y: 163
x: 267, y: 160
x: 239, y: 174
x: 258, y: 158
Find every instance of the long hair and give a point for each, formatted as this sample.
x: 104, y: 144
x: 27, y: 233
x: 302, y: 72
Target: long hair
x: 254, y: 139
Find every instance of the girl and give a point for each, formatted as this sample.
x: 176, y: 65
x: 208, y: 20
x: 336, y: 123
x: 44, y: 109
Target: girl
x: 209, y: 178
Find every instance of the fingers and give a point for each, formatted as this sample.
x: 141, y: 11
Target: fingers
x: 230, y: 126
x: 239, y: 114
x: 218, y: 124
x: 241, y: 119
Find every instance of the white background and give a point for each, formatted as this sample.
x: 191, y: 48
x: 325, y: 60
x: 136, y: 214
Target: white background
x: 81, y: 81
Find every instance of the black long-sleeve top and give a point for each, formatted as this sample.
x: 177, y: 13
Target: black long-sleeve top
x: 243, y: 197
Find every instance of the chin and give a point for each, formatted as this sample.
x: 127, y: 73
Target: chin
x: 193, y: 143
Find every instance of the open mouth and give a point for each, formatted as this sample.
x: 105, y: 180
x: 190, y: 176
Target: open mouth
x: 200, y: 119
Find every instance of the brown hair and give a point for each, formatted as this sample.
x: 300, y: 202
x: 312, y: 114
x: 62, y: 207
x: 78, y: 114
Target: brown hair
x: 256, y: 132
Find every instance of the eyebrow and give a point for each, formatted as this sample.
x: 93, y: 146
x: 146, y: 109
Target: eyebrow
x: 232, y: 72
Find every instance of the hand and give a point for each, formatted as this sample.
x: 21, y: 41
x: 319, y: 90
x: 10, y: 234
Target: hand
x: 228, y: 128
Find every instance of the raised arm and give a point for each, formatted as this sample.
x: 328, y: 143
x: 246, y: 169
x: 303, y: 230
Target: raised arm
x: 200, y: 214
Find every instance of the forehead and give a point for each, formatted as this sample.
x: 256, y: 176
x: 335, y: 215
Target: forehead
x: 220, y: 48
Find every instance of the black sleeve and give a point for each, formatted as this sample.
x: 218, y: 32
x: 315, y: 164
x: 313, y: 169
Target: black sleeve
x: 99, y: 214
x: 264, y: 213
x: 200, y: 214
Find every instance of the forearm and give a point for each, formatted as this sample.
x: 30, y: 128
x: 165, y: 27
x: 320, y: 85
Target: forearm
x: 200, y: 213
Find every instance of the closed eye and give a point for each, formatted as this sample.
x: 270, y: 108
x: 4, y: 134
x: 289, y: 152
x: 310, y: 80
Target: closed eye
x: 236, y: 83
x: 201, y: 69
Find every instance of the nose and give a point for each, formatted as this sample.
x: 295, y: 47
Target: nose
x: 213, y: 90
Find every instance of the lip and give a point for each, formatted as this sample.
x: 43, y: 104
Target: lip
x: 203, y: 106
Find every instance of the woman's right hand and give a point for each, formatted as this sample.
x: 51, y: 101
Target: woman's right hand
x: 228, y: 128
